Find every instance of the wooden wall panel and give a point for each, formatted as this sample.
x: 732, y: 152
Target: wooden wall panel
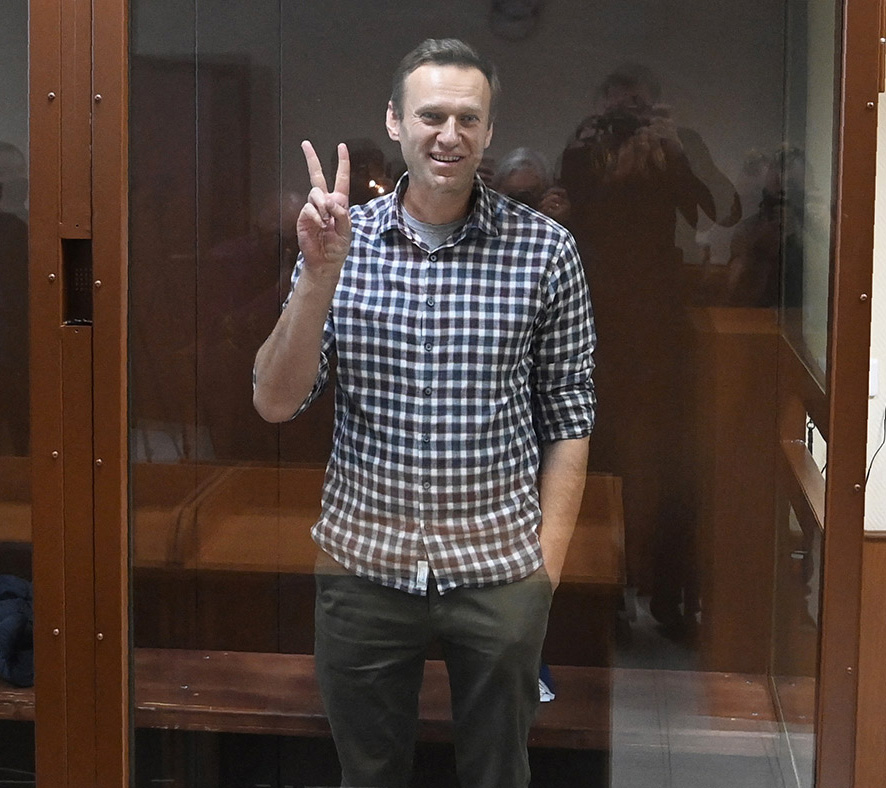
x: 870, y: 760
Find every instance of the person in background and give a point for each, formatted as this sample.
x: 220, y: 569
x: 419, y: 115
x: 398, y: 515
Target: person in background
x: 524, y: 175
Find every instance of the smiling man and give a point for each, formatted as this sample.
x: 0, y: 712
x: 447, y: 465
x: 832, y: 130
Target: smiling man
x: 463, y: 335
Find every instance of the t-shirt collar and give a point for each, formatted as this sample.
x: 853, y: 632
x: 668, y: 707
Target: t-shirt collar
x: 482, y: 216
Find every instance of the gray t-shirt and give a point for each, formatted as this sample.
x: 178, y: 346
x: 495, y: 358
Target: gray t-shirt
x: 432, y: 234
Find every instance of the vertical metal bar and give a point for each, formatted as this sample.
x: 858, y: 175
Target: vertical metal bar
x: 847, y: 388
x: 61, y: 396
x: 80, y: 639
x: 46, y: 394
x: 110, y: 176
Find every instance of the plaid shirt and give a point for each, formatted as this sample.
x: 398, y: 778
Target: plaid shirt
x: 453, y: 365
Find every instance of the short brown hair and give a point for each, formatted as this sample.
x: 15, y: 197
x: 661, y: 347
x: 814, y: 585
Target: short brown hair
x: 443, y: 52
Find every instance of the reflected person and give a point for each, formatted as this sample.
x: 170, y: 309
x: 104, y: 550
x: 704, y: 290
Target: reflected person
x: 635, y: 178
x: 524, y: 175
x: 764, y: 260
x: 462, y: 329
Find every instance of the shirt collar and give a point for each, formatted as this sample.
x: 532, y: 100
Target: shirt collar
x: 482, y: 217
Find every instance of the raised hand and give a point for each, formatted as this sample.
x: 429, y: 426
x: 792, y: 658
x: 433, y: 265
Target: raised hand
x: 324, y: 225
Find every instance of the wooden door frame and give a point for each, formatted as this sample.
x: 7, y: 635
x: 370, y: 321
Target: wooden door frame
x: 78, y: 52
x: 849, y: 350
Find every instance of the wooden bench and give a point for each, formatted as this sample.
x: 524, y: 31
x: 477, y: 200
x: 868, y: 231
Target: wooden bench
x: 264, y: 693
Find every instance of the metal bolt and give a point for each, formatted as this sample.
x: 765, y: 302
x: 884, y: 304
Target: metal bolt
x: 863, y: 297
x: 51, y: 277
x: 98, y: 97
x: 98, y: 462
x: 99, y: 636
x: 55, y: 455
x: 56, y: 632
x: 849, y: 670
x: 50, y: 96
x: 870, y: 105
x: 857, y: 487
x: 98, y: 283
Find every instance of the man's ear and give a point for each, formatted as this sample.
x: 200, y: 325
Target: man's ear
x: 488, y: 136
x: 392, y: 123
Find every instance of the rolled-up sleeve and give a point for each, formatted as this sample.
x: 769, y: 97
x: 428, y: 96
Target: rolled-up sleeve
x: 564, y: 402
x: 327, y: 348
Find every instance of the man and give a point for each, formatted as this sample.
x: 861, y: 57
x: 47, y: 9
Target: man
x: 463, y: 334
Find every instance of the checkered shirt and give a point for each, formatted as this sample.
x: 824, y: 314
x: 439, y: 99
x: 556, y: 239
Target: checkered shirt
x: 453, y: 366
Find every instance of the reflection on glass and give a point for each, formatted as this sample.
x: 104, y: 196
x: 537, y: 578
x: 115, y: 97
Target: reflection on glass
x: 16, y: 611
x: 808, y: 177
x: 685, y: 208
x: 795, y: 645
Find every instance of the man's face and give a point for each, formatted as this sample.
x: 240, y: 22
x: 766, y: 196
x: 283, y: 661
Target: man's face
x: 444, y: 129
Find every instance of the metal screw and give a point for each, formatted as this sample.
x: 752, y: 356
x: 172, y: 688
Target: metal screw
x: 849, y: 670
x: 98, y: 462
x: 50, y: 96
x: 863, y: 297
x: 870, y: 105
x: 56, y: 632
x: 99, y: 636
x: 51, y: 277
x: 857, y: 487
x: 55, y: 455
x: 98, y: 283
x: 98, y: 97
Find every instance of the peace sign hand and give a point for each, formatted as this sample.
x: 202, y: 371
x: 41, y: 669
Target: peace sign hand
x: 324, y: 225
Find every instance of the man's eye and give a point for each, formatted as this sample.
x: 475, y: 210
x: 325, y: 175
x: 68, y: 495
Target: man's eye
x: 470, y: 119
x: 430, y: 116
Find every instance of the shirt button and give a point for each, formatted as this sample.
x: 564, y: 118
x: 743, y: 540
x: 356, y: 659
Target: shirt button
x: 430, y: 301
x: 428, y: 346
x: 432, y: 258
x: 426, y: 438
x: 428, y: 390
x: 426, y: 485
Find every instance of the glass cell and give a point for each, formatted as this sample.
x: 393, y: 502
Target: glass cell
x: 16, y: 606
x: 662, y: 137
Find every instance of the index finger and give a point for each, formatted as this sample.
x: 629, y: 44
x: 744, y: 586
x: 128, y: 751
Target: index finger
x: 343, y: 174
x: 315, y: 169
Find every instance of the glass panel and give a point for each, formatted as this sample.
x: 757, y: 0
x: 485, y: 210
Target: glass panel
x: 807, y: 176
x: 16, y: 616
x: 795, y: 645
x: 612, y: 121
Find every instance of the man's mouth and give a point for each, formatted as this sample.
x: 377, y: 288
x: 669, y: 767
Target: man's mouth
x: 445, y: 159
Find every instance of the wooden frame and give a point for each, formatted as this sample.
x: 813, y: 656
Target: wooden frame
x: 847, y: 393
x: 110, y: 395
x: 79, y: 467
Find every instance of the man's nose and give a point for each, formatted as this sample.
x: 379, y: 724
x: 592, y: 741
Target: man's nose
x: 449, y: 132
